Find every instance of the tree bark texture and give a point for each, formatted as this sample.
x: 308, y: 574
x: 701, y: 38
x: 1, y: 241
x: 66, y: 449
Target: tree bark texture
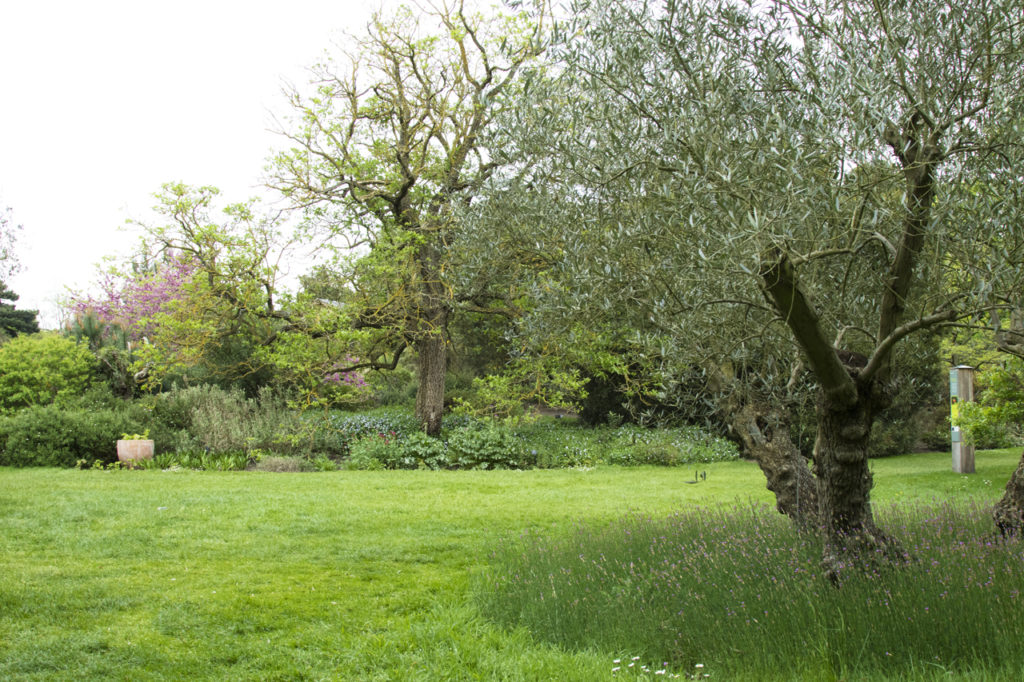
x: 1009, y: 511
x: 764, y: 434
x: 432, y: 352
x: 852, y: 539
x: 845, y: 413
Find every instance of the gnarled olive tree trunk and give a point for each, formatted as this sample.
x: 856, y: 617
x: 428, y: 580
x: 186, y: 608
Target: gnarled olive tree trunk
x: 764, y: 433
x: 852, y: 538
x: 1009, y: 511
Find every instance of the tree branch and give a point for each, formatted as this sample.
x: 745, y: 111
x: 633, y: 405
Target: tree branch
x: 778, y: 280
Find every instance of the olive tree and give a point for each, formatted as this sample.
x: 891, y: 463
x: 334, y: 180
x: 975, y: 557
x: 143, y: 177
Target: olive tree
x: 783, y: 193
x: 382, y: 149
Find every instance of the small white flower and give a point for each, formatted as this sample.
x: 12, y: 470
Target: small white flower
x: 617, y: 660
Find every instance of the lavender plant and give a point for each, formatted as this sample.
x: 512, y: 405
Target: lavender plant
x: 738, y: 589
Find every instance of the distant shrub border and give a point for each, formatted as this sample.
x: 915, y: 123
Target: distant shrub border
x: 87, y: 430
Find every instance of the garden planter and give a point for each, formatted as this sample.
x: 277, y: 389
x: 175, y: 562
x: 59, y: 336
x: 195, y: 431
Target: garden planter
x: 128, y: 451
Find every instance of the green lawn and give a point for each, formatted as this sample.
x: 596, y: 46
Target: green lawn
x: 349, y: 575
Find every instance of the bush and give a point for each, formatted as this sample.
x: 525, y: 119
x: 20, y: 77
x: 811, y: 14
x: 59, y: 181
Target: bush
x: 51, y: 436
x: 889, y: 439
x: 487, y: 447
x: 428, y: 452
x: 395, y: 388
x: 341, y: 430
x: 39, y: 369
x: 634, y: 445
x: 219, y: 420
x: 555, y: 446
x: 378, y: 451
x: 566, y: 445
x: 336, y: 433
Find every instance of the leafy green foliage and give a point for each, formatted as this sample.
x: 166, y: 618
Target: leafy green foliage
x: 487, y: 446
x: 427, y: 451
x: 631, y: 445
x: 390, y: 450
x: 38, y: 369
x: 338, y: 430
x: 379, y: 451
x: 997, y: 419
x: 52, y: 436
x: 385, y: 143
x: 202, y: 291
x: 557, y: 444
x: 200, y: 461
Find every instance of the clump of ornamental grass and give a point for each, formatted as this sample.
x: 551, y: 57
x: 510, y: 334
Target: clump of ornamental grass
x: 739, y: 590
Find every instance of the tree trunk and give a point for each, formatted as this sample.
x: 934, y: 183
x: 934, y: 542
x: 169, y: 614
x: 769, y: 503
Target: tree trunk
x: 1009, y: 511
x: 852, y: 539
x: 765, y: 437
x: 432, y: 352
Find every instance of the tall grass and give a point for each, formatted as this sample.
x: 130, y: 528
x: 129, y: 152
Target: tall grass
x: 739, y: 592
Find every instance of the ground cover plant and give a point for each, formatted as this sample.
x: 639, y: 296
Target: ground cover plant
x: 391, y: 439
x: 152, y: 574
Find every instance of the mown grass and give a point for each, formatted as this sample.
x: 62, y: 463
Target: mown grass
x: 349, y: 575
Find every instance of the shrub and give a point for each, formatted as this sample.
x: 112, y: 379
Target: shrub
x: 554, y: 446
x: 51, y: 436
x: 634, y: 445
x: 889, y: 439
x: 221, y: 420
x: 487, y: 447
x: 379, y: 451
x: 428, y: 452
x: 336, y: 433
x: 567, y: 445
x: 39, y: 369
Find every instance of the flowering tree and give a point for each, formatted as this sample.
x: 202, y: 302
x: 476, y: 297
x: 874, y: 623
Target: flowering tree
x: 203, y: 296
x: 133, y: 301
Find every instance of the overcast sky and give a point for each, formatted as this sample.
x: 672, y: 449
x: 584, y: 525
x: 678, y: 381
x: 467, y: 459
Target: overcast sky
x: 101, y: 102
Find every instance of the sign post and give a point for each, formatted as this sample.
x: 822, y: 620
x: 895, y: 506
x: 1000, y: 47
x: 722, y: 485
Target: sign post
x: 961, y: 389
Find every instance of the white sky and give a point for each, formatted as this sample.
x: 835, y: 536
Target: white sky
x: 101, y: 102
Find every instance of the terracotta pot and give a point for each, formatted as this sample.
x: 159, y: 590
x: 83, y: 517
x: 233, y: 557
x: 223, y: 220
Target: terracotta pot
x: 128, y: 451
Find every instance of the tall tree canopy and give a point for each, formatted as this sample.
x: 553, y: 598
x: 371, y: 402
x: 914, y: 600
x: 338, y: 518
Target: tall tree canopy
x: 382, y: 150
x: 758, y: 188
